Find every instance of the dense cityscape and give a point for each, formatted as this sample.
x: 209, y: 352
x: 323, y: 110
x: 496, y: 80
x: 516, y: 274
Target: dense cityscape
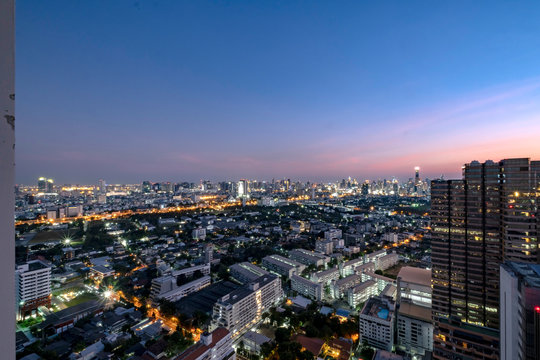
x: 269, y: 180
x: 252, y: 269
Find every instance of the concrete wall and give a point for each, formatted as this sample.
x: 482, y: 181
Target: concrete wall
x: 7, y: 178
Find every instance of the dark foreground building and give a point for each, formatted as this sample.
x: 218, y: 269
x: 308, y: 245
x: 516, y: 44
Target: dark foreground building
x: 489, y: 216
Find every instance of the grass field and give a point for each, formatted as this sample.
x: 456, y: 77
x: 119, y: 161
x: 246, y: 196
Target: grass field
x: 80, y: 299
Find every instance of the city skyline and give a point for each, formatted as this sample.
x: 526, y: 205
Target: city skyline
x: 180, y: 91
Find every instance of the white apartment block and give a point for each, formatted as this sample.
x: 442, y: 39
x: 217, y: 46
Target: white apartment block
x: 386, y: 261
x: 362, y: 292
x: 308, y: 257
x: 377, y: 323
x: 165, y: 287
x: 246, y: 272
x: 306, y: 287
x: 282, y: 266
x: 33, y: 282
x: 326, y: 276
x: 243, y: 308
x: 341, y: 286
x: 355, y: 266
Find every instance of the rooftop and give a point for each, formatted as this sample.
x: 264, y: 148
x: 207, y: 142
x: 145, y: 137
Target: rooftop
x: 415, y: 275
x: 377, y: 308
x: 415, y: 311
x: 199, y: 348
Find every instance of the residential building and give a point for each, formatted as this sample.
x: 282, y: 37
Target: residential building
x: 33, y: 282
x: 216, y: 345
x: 166, y: 287
x: 362, y: 292
x: 341, y: 286
x: 243, y: 308
x: 324, y: 246
x: 307, y: 257
x: 246, y: 272
x: 282, y: 266
x: 306, y: 287
x: 377, y: 323
x: 326, y: 276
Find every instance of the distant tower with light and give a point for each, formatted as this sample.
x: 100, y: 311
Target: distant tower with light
x: 416, y: 179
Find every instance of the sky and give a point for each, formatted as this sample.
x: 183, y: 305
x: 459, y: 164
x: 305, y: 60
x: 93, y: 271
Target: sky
x: 160, y: 90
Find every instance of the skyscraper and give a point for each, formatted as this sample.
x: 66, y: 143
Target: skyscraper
x: 416, y: 179
x: 102, y: 186
x: 477, y: 222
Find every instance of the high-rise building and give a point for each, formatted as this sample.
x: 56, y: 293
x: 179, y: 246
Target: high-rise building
x: 416, y: 179
x: 520, y: 311
x: 243, y: 189
x: 146, y: 187
x: 33, y: 282
x: 45, y: 185
x: 102, y: 186
x: 477, y: 222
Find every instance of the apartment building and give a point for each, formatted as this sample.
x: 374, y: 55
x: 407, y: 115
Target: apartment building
x: 362, y: 292
x: 216, y: 345
x: 307, y: 257
x: 246, y: 272
x: 306, y: 287
x: 241, y: 309
x: 282, y: 266
x: 377, y: 323
x: 33, y: 282
x: 166, y: 287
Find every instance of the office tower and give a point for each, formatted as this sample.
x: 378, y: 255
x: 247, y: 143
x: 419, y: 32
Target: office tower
x: 33, y: 282
x: 477, y: 222
x: 102, y: 186
x: 416, y: 179
x: 243, y: 188
x: 42, y: 184
x: 520, y: 311
x: 365, y: 188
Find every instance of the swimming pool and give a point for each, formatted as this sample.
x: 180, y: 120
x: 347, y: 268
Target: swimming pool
x: 383, y: 314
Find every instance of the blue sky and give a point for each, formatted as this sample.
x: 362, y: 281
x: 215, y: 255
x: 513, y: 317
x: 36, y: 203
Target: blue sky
x: 174, y: 90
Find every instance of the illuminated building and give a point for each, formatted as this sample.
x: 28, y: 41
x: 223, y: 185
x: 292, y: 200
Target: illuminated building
x: 45, y: 185
x: 324, y: 246
x: 165, y: 287
x: 243, y: 308
x: 362, y: 292
x: 33, y: 282
x: 146, y: 187
x: 414, y: 324
x: 416, y: 179
x: 377, y: 323
x: 243, y: 189
x: 520, y: 311
x: 477, y: 223
x: 216, y: 345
